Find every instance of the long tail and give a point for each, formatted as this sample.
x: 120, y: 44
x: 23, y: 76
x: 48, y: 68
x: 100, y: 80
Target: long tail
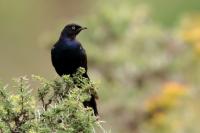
x: 92, y: 104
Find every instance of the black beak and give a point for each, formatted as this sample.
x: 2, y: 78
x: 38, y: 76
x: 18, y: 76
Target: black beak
x: 80, y: 29
x: 83, y: 28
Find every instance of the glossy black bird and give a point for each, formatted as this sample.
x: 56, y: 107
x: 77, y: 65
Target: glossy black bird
x: 68, y: 55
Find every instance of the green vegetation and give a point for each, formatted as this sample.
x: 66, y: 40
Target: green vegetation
x: 168, y: 13
x: 60, y: 107
x: 149, y: 74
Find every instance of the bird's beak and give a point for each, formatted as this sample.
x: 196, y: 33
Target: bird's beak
x: 83, y: 28
x: 80, y: 29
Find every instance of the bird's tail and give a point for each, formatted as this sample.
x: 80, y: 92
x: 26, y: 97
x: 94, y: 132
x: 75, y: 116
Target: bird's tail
x: 92, y: 103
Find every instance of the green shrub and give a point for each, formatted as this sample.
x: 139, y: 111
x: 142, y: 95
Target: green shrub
x: 58, y: 107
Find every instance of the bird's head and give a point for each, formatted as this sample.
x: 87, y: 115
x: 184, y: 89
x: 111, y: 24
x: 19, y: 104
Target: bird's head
x: 72, y: 30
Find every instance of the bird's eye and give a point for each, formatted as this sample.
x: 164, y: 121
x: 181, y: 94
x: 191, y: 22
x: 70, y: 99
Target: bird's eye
x: 73, y: 27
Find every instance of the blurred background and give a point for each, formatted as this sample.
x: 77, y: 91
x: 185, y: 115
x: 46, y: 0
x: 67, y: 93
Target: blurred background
x: 143, y: 55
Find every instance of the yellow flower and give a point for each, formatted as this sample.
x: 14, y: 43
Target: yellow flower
x: 158, y: 107
x: 190, y: 31
x: 173, y: 89
x: 169, y: 97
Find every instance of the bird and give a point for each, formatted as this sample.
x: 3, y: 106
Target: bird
x: 68, y: 54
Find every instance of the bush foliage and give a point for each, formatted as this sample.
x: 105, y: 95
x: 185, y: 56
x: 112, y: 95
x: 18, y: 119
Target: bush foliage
x: 57, y: 108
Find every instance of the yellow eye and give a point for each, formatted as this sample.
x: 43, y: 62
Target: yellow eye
x: 73, y: 27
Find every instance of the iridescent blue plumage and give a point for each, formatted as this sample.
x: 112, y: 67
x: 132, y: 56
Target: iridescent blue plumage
x: 67, y: 56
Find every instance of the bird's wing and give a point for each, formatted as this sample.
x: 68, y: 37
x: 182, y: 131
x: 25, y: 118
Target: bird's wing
x: 53, y: 56
x: 83, y: 59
